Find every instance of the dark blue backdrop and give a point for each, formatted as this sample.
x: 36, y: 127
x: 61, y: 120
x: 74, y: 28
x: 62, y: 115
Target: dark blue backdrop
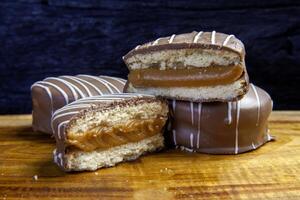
x: 40, y: 38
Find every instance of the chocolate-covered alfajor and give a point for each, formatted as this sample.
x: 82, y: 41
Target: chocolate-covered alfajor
x: 101, y: 131
x: 197, y: 66
x: 55, y: 92
x: 221, y: 128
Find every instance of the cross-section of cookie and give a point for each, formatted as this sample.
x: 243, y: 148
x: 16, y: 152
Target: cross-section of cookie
x: 197, y: 66
x: 102, y: 131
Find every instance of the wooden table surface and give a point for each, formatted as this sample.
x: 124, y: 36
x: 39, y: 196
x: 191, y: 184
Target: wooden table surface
x: 270, y: 172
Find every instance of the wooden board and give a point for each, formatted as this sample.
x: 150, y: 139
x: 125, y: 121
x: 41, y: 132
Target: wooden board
x: 271, y: 172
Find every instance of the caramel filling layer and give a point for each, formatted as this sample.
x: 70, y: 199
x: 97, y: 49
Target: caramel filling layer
x: 206, y: 76
x: 105, y: 136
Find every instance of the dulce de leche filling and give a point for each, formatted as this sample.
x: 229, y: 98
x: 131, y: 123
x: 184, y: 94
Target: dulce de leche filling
x: 105, y: 136
x: 193, y: 77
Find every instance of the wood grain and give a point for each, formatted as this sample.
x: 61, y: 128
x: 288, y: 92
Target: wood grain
x: 271, y: 172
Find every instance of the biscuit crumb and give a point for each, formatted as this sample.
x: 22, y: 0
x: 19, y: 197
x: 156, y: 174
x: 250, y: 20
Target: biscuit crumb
x: 167, y: 171
x: 35, y: 177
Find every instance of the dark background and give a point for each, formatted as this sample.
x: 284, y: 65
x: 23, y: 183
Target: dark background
x: 41, y: 38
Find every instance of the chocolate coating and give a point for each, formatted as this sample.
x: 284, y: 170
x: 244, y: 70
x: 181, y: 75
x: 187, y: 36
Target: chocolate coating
x: 55, y: 92
x: 221, y: 128
x: 208, y: 40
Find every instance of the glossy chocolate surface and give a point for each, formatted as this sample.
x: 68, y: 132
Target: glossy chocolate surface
x: 55, y: 92
x: 221, y: 128
x: 207, y: 40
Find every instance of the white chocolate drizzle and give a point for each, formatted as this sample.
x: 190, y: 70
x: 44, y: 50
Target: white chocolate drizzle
x: 269, y: 137
x: 55, y: 156
x: 71, y: 107
x: 227, y: 40
x: 253, y: 146
x: 172, y: 38
x: 199, y: 124
x: 237, y: 127
x: 110, y: 85
x: 66, y: 83
x: 192, y: 112
x: 196, y: 38
x: 192, y: 140
x: 120, y: 80
x: 258, y: 103
x: 90, y: 84
x: 174, y: 105
x: 61, y: 159
x: 77, y: 89
x: 60, y: 126
x: 155, y: 42
x: 63, y: 93
x: 103, y: 98
x: 49, y: 93
x: 65, y: 114
x: 80, y: 83
x: 182, y: 148
x: 102, y: 81
x: 213, y: 37
x: 229, y: 112
x: 174, y: 137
